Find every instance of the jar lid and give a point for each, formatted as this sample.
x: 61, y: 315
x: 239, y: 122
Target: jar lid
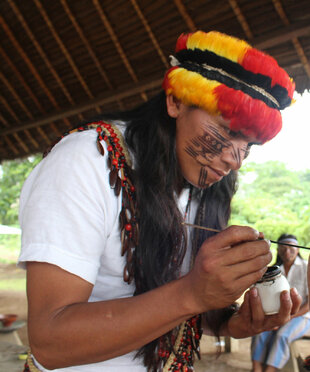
x: 271, y: 273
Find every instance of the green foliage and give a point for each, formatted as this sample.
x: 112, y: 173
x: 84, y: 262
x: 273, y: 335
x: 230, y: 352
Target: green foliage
x: 9, y: 248
x: 274, y: 200
x: 12, y: 176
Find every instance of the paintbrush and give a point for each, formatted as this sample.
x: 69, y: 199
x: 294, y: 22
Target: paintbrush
x: 215, y: 230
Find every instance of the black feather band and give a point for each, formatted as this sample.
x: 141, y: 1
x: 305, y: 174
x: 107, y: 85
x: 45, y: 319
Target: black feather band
x: 198, y: 57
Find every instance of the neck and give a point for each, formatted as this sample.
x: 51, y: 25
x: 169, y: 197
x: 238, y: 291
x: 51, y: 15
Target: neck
x: 287, y: 267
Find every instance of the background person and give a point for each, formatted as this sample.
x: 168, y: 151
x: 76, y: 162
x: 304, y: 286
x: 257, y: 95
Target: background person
x: 270, y: 350
x: 115, y: 281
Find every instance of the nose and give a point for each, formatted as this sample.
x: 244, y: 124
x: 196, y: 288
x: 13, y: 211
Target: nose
x: 233, y: 155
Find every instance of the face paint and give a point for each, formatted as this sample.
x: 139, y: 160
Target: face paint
x: 207, y: 149
x: 202, y: 177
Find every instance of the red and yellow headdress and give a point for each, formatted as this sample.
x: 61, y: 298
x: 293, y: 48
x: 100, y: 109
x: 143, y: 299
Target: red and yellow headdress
x: 226, y: 76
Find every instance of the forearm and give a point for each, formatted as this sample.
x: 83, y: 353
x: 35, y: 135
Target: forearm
x: 91, y: 332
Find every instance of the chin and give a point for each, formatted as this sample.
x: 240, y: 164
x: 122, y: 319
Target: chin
x: 205, y: 186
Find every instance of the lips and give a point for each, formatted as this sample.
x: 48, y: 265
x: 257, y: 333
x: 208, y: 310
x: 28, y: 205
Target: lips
x: 218, y: 173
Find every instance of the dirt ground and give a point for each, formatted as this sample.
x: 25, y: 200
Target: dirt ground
x: 15, y: 302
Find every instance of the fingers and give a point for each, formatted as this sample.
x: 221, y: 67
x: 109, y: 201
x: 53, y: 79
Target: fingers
x: 245, y: 308
x: 284, y: 314
x: 248, y: 251
x: 286, y: 306
x: 258, y: 315
x: 245, y: 274
x: 296, y: 300
x: 233, y: 235
x: 262, y: 322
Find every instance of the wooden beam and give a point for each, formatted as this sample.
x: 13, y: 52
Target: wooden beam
x: 282, y: 36
x: 5, y: 103
x: 63, y: 48
x: 117, y: 44
x: 21, y: 103
x: 241, y: 18
x: 55, y: 130
x: 39, y: 49
x: 11, y: 145
x: 43, y: 135
x: 298, y: 47
x: 32, y: 140
x: 107, y: 98
x: 15, y: 95
x: 24, y: 107
x: 24, y: 56
x: 21, y: 79
x: 150, y: 32
x: 4, y: 121
x: 21, y: 143
x: 184, y: 13
x: 86, y: 43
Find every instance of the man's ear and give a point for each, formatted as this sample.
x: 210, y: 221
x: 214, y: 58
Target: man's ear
x: 173, y: 106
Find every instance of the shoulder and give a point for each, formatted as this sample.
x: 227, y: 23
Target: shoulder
x: 76, y: 145
x: 300, y: 265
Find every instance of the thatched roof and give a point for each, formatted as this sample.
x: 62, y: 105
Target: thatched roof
x: 66, y: 60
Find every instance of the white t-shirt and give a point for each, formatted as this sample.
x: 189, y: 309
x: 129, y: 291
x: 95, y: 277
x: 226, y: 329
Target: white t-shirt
x: 297, y: 277
x: 69, y: 217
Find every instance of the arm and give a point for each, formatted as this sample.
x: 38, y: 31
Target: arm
x: 62, y: 324
x: 64, y: 329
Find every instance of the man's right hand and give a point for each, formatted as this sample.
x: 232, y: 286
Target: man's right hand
x: 226, y: 265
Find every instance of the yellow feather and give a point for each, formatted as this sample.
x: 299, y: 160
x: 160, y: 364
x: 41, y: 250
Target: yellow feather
x: 221, y: 44
x: 193, y: 89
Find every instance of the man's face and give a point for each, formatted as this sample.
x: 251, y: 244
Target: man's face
x: 206, y: 149
x: 287, y: 253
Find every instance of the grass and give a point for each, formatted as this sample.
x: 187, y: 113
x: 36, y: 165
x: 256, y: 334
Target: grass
x: 13, y: 284
x: 9, y: 248
x: 11, y: 278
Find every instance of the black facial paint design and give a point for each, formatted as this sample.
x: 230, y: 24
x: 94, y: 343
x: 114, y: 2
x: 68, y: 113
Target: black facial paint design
x: 246, y: 149
x: 211, y: 143
x: 205, y: 147
x: 202, y: 177
x: 235, y: 153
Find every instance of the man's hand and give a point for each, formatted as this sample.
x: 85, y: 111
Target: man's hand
x: 251, y: 320
x: 226, y: 265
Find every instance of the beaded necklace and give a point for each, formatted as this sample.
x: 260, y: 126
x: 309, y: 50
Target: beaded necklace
x: 186, y: 345
x: 176, y: 349
x: 120, y: 178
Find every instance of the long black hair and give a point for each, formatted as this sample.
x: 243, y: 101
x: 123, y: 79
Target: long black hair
x: 150, y: 135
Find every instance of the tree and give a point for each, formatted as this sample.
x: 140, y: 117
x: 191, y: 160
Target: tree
x: 273, y: 200
x: 12, y: 176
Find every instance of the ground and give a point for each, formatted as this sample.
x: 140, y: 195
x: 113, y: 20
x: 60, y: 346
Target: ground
x: 12, y: 301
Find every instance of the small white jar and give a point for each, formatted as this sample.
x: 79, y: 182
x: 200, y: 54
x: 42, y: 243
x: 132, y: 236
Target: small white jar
x: 269, y: 288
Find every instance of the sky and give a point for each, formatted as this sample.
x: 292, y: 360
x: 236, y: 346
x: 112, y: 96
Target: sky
x: 292, y: 144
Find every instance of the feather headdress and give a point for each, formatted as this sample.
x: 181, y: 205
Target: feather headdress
x: 226, y: 76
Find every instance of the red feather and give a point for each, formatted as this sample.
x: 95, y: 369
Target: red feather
x: 182, y: 41
x: 259, y: 62
x: 250, y: 116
